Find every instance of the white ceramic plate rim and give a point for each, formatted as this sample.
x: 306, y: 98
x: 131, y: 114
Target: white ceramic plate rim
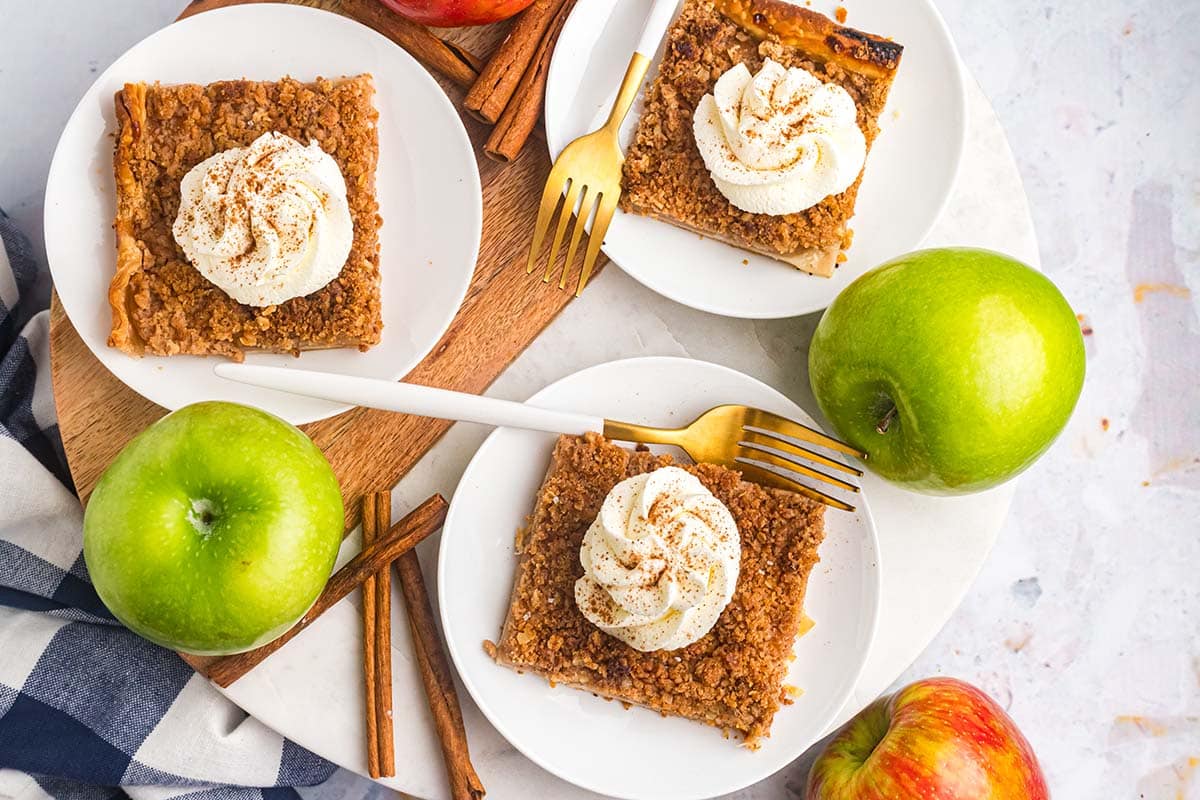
x: 720, y: 784
x: 579, y: 38
x: 454, y: 272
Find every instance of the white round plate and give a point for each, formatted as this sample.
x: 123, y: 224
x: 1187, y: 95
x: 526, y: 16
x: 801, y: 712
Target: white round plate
x: 431, y: 207
x: 600, y: 745
x: 909, y: 172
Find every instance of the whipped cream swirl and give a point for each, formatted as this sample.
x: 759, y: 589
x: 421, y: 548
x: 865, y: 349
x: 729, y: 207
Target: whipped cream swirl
x: 660, y: 561
x: 780, y: 141
x: 268, y: 222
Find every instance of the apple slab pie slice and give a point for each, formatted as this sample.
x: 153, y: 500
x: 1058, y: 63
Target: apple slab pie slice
x: 665, y: 175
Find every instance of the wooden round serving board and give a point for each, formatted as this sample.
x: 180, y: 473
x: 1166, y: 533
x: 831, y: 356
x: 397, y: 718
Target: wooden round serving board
x: 504, y: 310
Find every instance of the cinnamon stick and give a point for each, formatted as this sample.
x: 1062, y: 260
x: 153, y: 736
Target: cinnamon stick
x: 383, y: 642
x: 377, y: 643
x: 439, y: 683
x: 370, y: 638
x: 466, y: 56
x: 521, y: 115
x: 498, y: 80
x: 419, y: 41
x: 422, y: 521
x: 450, y: 61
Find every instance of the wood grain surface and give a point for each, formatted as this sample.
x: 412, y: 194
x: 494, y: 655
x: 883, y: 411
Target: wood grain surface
x: 504, y: 311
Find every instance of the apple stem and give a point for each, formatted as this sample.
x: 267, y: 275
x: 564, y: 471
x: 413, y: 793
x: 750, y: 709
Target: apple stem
x: 886, y: 422
x: 201, y: 516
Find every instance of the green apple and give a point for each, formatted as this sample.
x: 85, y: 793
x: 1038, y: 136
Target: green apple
x: 214, y: 530
x: 953, y: 369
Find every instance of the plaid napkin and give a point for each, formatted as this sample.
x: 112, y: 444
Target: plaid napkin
x: 88, y: 710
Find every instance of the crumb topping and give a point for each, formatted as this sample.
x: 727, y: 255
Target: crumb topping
x: 732, y: 677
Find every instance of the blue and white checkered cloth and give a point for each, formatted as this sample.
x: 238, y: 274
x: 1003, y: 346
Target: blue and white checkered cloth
x: 88, y: 710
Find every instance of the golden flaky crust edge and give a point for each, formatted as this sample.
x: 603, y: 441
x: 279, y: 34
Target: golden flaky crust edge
x: 130, y: 104
x: 819, y: 261
x: 814, y: 33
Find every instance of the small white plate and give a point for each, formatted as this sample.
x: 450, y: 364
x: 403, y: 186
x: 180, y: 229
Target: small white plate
x: 909, y: 172
x: 600, y: 745
x: 427, y: 184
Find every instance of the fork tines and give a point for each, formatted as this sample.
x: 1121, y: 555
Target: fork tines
x: 587, y: 204
x: 783, y: 456
x: 575, y: 203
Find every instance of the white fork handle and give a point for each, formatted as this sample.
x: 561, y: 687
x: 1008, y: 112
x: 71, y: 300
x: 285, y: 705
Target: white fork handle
x: 408, y: 398
x: 655, y: 28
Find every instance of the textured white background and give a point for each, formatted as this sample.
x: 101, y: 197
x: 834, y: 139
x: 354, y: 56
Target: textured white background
x: 1085, y: 623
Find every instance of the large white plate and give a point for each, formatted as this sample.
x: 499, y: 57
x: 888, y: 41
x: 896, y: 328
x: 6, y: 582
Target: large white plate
x: 909, y: 172
x: 600, y: 745
x: 427, y: 184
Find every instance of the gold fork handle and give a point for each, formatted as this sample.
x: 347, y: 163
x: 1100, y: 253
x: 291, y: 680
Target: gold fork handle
x: 629, y: 89
x: 628, y: 432
x: 659, y: 16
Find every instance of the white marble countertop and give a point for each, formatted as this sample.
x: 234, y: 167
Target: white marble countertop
x: 1083, y: 623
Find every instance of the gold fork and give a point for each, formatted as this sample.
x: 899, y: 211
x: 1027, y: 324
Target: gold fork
x: 588, y: 169
x: 766, y: 448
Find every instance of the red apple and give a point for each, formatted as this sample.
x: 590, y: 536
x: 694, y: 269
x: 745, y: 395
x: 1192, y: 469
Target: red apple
x: 451, y: 13
x: 936, y: 739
